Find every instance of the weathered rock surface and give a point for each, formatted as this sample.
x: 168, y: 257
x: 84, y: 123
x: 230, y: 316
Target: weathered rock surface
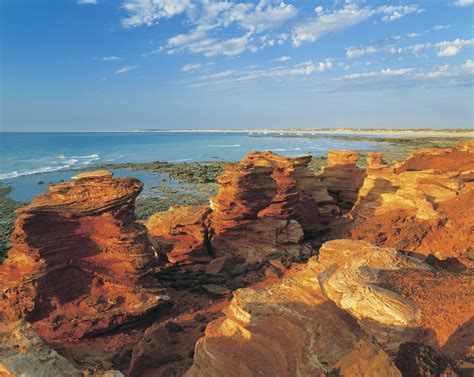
x: 288, y: 329
x: 181, y: 233
x: 342, y: 177
x: 419, y: 360
x: 23, y: 353
x: 420, y: 205
x: 399, y: 299
x: 79, y: 260
x: 266, y: 203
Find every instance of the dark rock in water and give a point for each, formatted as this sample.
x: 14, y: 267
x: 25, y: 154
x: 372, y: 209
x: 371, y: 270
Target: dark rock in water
x: 419, y: 360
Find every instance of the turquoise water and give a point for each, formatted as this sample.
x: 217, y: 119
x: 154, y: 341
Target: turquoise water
x: 27, y: 158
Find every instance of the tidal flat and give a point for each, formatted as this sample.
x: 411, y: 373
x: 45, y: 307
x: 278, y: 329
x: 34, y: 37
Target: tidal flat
x: 194, y: 183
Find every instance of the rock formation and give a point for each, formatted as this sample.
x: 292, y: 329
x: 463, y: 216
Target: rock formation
x: 420, y: 205
x: 342, y: 177
x: 266, y: 204
x: 79, y: 260
x: 288, y: 329
x: 180, y: 233
x: 23, y: 353
x: 399, y: 299
x: 419, y: 360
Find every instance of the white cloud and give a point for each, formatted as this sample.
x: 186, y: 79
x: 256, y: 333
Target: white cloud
x: 350, y: 15
x: 124, y: 69
x: 442, y: 27
x: 441, y: 76
x: 444, y: 48
x: 395, y: 12
x: 147, y: 12
x: 326, y: 23
x: 266, y: 17
x: 463, y: 3
x: 86, y: 2
x: 182, y: 39
x: 195, y: 67
x: 283, y: 59
x: 452, y: 72
x: 232, y: 78
x: 110, y: 58
x: 190, y: 67
x: 381, y: 73
x: 208, y: 18
x: 210, y: 47
x: 452, y: 48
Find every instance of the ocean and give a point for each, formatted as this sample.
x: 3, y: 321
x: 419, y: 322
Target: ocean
x: 28, y: 158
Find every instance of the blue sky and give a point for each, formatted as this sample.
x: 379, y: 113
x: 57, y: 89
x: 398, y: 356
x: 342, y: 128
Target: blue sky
x: 136, y: 64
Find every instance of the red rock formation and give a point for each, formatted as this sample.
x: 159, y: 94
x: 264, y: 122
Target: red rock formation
x: 266, y: 204
x: 399, y: 299
x: 288, y: 329
x: 420, y: 205
x: 180, y: 233
x: 79, y: 260
x: 342, y: 177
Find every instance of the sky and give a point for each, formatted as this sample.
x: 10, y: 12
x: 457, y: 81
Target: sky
x: 72, y: 65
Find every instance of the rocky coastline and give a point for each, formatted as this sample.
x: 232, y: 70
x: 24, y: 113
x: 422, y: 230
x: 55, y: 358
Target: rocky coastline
x: 331, y: 267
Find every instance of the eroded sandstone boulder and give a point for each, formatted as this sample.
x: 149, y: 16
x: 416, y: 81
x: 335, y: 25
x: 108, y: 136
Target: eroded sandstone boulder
x: 288, y: 329
x: 342, y: 177
x: 181, y: 234
x: 266, y: 204
x: 420, y: 205
x: 399, y: 299
x: 79, y: 262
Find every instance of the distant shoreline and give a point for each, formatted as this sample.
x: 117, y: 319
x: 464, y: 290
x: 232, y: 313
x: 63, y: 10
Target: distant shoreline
x: 336, y: 131
x: 328, y: 131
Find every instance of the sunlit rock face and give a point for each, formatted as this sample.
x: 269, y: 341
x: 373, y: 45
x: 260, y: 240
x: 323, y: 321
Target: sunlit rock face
x: 79, y: 260
x: 181, y: 234
x: 342, y: 177
x: 399, y: 299
x: 420, y: 205
x: 266, y: 203
x: 288, y: 329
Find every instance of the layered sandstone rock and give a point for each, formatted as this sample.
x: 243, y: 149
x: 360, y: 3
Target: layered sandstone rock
x: 79, y: 260
x: 399, y: 299
x: 420, y: 205
x: 23, y: 353
x: 288, y: 329
x: 181, y: 234
x: 266, y: 204
x: 342, y: 177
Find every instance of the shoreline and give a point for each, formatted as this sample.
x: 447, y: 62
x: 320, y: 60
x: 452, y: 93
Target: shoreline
x: 305, y: 131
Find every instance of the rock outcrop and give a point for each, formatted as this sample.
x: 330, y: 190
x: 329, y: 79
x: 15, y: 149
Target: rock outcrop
x: 419, y: 360
x: 288, y: 329
x: 79, y: 261
x: 266, y: 204
x: 23, y: 353
x: 342, y: 177
x: 399, y: 299
x: 180, y: 233
x: 420, y: 205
